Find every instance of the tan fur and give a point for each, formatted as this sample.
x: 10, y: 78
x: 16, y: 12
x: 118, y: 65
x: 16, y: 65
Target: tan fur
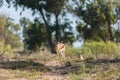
x: 60, y: 49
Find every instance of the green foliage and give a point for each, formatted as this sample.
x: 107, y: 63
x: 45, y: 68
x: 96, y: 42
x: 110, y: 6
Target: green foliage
x: 97, y: 17
x: 9, y: 32
x: 117, y: 33
x: 53, y: 16
x: 9, y: 37
x: 13, y: 39
x: 67, y: 34
x: 72, y: 53
x: 93, y: 50
x: 101, y: 49
x: 34, y: 35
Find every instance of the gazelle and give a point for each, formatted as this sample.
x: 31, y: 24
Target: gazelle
x: 60, y: 49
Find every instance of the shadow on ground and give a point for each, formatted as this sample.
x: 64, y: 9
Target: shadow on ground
x: 24, y: 65
x: 61, y: 69
x: 75, y: 67
x: 105, y: 61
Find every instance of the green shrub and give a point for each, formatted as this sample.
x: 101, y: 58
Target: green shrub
x: 101, y: 49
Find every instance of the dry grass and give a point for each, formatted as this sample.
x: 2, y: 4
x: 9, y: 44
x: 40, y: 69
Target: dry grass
x: 97, y: 70
x: 44, y: 66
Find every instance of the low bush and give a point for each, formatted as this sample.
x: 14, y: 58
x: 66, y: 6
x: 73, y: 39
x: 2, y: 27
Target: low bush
x: 94, y: 50
x: 101, y: 49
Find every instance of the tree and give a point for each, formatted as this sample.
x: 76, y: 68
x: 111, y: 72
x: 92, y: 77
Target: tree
x: 45, y: 8
x: 98, y: 17
x: 67, y: 35
x: 34, y: 34
x: 52, y: 15
x: 9, y: 32
x: 12, y: 34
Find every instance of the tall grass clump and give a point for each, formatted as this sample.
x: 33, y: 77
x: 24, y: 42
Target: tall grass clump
x: 1, y: 46
x: 101, y: 49
x: 72, y: 53
x: 8, y: 53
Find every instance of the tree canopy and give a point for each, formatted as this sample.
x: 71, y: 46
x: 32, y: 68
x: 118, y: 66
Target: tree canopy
x: 52, y: 15
x: 96, y: 20
x: 9, y: 32
x: 98, y: 17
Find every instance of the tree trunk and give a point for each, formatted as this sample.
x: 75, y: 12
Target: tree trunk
x: 57, y: 29
x: 110, y: 32
x: 49, y: 39
x: 103, y: 38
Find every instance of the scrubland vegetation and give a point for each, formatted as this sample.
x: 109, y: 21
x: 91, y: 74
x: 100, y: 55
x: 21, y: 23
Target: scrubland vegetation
x: 26, y: 46
x: 102, y: 61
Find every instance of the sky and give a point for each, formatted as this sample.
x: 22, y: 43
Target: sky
x: 15, y: 15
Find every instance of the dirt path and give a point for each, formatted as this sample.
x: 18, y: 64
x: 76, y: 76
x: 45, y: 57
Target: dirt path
x: 57, y: 71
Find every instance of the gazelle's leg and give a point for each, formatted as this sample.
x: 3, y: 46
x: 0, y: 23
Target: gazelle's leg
x: 63, y: 52
x: 62, y: 55
x: 59, y: 55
